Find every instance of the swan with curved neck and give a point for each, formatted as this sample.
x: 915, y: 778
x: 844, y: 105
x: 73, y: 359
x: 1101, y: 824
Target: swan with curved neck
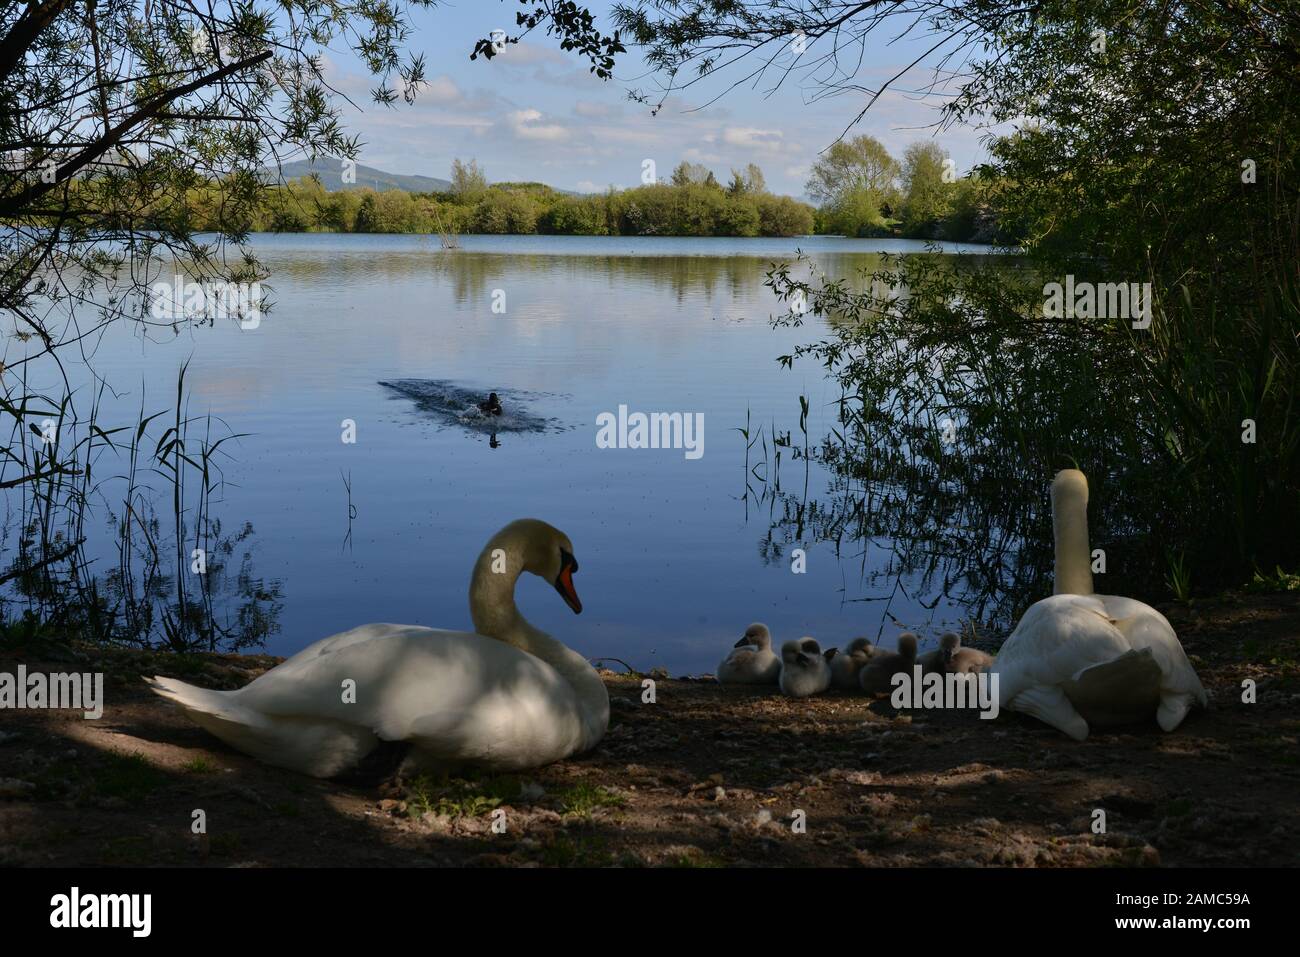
x: 1078, y: 660
x: 505, y: 697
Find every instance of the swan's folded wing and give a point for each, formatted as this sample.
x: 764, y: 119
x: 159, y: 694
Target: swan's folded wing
x: 1056, y: 638
x: 1147, y: 629
x: 1123, y: 690
x: 453, y: 694
x: 374, y: 674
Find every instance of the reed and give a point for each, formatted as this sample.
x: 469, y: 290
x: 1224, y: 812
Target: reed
x: 176, y: 577
x: 936, y: 346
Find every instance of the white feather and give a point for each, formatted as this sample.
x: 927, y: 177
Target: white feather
x: 512, y: 700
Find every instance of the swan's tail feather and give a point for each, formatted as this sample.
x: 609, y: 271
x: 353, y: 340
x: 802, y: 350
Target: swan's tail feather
x: 194, y: 700
x: 1049, y: 704
x: 321, y: 748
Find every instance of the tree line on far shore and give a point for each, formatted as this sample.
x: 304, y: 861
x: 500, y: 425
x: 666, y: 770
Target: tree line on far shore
x: 860, y: 188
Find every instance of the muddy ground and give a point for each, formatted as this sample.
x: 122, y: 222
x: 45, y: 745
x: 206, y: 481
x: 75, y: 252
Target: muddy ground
x: 705, y: 776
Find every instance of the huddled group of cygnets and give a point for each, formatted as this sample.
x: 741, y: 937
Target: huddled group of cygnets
x: 508, y: 696
x: 803, y: 669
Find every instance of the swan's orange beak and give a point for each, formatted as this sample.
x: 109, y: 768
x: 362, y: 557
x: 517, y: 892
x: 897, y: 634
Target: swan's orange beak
x: 564, y: 584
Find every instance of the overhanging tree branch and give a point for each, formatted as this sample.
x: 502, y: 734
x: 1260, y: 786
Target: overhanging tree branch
x: 24, y: 33
x: 13, y: 205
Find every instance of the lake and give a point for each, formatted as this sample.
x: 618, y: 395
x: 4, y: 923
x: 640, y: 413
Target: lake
x: 675, y: 558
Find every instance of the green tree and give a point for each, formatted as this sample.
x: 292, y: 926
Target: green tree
x: 858, y: 166
x: 687, y: 174
x: 368, y: 219
x: 783, y: 216
x: 1159, y: 142
x: 927, y: 199
x: 738, y: 216
x: 749, y: 180
x: 504, y: 212
x: 577, y: 216
x: 149, y: 108
x: 468, y: 182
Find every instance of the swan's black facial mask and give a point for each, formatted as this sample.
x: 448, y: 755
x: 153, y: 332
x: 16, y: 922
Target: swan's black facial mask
x: 564, y: 582
x: 744, y: 642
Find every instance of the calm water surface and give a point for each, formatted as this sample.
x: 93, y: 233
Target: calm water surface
x: 673, y: 558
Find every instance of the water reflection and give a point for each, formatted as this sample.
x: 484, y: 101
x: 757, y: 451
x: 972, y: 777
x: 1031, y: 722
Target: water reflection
x: 670, y: 564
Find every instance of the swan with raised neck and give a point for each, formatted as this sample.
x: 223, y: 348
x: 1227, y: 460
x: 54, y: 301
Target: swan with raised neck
x: 1078, y: 660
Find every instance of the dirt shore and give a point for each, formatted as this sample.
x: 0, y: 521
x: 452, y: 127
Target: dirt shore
x: 704, y: 776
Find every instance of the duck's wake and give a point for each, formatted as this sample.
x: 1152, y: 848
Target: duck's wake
x: 456, y: 405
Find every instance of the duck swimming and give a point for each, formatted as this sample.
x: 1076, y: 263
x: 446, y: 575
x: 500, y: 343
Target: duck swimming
x: 491, y: 406
x: 506, y: 696
x: 1078, y: 660
x: 752, y: 662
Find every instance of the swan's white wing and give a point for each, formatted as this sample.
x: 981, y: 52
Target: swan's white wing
x: 1144, y: 627
x: 344, y: 639
x: 1057, y: 637
x: 456, y: 695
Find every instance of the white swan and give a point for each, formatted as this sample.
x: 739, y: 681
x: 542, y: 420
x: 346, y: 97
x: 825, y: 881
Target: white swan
x: 846, y: 665
x: 804, y: 669
x: 506, y: 698
x: 752, y: 662
x: 1077, y: 659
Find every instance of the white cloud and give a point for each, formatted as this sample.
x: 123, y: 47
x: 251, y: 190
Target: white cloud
x: 524, y: 124
x: 595, y: 111
x: 753, y: 138
x: 442, y: 90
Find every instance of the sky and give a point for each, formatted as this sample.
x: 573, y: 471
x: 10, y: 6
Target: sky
x: 535, y: 113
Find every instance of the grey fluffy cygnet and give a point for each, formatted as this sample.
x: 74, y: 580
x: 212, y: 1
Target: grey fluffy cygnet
x: 846, y: 665
x: 876, y: 676
x: 752, y: 661
x: 936, y: 662
x: 963, y: 661
x: 804, y: 669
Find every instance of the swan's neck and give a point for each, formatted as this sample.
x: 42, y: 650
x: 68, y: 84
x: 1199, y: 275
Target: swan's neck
x: 1070, y: 531
x: 493, y: 610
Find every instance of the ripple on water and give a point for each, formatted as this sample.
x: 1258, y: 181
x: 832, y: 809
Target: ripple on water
x: 453, y: 404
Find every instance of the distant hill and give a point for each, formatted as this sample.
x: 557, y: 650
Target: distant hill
x: 330, y: 172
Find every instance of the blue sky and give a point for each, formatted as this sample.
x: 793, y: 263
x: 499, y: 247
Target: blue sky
x: 536, y: 113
